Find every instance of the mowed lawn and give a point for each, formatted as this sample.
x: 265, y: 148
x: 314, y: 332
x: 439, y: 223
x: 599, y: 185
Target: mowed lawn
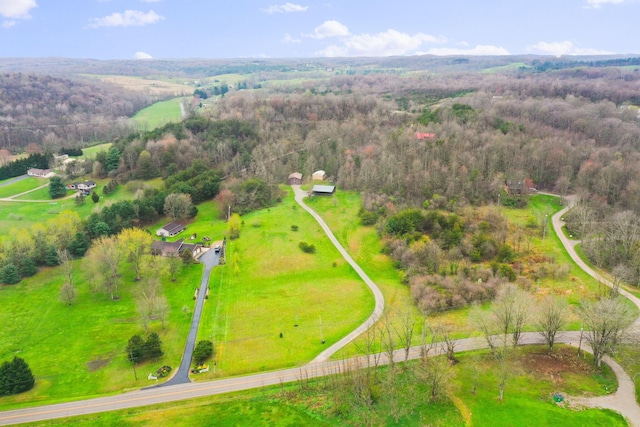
x: 159, y: 114
x: 268, y: 286
x: 21, y: 186
x: 78, y: 351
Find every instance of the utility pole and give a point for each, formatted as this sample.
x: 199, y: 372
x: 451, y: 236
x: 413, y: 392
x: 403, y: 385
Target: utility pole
x: 321, y: 338
x: 229, y: 213
x: 134, y: 365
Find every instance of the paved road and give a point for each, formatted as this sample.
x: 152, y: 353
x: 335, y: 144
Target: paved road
x: 317, y: 369
x: 377, y: 294
x: 210, y: 259
x: 623, y: 400
x: 14, y: 180
x: 570, y: 246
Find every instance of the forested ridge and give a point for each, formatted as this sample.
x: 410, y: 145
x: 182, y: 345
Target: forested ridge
x: 53, y: 112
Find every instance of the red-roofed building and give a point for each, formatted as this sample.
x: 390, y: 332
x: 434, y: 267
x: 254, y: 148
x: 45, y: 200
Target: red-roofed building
x: 424, y: 135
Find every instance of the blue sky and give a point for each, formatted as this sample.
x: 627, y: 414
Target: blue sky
x: 166, y: 29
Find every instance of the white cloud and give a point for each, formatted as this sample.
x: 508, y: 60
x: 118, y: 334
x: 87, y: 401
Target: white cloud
x: 8, y: 24
x: 478, y: 50
x: 129, y: 18
x: 565, y: 48
x: 329, y: 29
x: 142, y: 55
x: 388, y: 43
x: 285, y: 8
x: 595, y: 4
x: 17, y: 9
x: 288, y: 39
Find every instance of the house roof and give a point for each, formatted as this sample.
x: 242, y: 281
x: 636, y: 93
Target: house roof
x: 296, y: 175
x: 324, y: 189
x: 166, y: 247
x: 173, y: 227
x: 320, y: 172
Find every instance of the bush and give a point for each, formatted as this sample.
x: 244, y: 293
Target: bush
x: 15, y: 377
x: 203, y: 351
x: 368, y: 218
x: 307, y: 247
x: 294, y: 228
x: 9, y: 274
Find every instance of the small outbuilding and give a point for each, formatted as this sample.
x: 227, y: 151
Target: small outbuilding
x: 323, y: 190
x: 319, y: 176
x: 295, y: 179
x: 171, y: 229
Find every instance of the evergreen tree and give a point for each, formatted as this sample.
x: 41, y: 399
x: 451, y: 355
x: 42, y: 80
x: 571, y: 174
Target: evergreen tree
x: 57, y: 188
x: 51, y: 257
x: 153, y: 346
x: 112, y: 159
x: 135, y: 349
x: 95, y: 197
x: 203, y: 351
x: 9, y: 274
x: 27, y: 268
x: 15, y: 377
x: 79, y: 245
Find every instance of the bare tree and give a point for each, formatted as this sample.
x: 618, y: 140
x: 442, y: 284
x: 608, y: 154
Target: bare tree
x: 605, y: 322
x: 551, y: 317
x: 104, y: 259
x: 511, y: 312
x: 405, y: 329
x: 68, y: 291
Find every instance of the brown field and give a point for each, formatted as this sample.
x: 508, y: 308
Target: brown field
x: 149, y: 86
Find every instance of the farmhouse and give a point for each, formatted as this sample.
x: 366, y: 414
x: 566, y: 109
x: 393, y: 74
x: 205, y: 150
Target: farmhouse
x: 319, y: 176
x: 171, y: 229
x: 174, y: 249
x: 323, y: 190
x: 41, y: 173
x: 295, y: 179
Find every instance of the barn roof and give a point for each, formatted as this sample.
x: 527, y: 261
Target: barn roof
x: 324, y: 189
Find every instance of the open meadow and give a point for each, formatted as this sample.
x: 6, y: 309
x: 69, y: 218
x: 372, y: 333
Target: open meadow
x: 159, y: 114
x: 269, y: 286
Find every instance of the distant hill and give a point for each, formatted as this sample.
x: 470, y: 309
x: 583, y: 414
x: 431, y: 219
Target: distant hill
x: 55, y: 111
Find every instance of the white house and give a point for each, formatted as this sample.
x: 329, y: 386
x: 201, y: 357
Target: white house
x: 41, y: 173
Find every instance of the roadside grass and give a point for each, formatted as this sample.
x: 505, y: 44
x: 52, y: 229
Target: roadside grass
x: 159, y: 114
x: 78, y: 351
x: 22, y: 186
x: 534, y: 378
x: 628, y: 356
x: 270, y: 286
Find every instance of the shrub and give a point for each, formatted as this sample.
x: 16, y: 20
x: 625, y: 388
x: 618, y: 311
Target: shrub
x: 294, y: 228
x: 307, y: 247
x: 203, y: 351
x: 9, y: 274
x: 15, y: 377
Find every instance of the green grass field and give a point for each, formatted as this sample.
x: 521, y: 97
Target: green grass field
x: 22, y: 186
x: 269, y: 286
x: 90, y: 152
x: 77, y: 351
x: 159, y: 114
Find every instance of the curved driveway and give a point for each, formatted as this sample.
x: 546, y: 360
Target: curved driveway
x: 570, y: 246
x: 377, y: 294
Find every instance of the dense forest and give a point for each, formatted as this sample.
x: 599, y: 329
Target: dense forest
x: 51, y: 112
x: 425, y: 149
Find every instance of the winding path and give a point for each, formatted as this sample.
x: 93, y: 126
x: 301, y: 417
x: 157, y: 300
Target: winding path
x: 377, y: 294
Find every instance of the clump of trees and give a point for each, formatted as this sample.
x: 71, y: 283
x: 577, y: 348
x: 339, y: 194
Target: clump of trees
x: 139, y: 350
x: 15, y: 377
x: 21, y: 166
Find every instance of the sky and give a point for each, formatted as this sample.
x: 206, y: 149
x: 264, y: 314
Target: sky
x: 173, y: 29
